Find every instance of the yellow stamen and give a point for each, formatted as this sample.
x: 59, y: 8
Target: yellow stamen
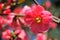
x: 38, y: 20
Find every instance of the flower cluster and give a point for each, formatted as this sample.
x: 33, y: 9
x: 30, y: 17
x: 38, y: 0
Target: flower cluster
x: 14, y: 35
x: 13, y: 21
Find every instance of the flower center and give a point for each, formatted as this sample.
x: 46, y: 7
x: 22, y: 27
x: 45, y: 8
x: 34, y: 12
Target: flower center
x: 38, y: 20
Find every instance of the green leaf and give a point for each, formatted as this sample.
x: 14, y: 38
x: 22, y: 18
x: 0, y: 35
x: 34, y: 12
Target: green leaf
x: 12, y: 34
x: 20, y: 1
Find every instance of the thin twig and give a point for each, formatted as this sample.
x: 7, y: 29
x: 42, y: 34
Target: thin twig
x: 36, y: 2
x: 17, y: 15
x: 56, y: 19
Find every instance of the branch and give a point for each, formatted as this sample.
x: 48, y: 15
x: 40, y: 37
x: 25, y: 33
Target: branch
x: 36, y: 2
x: 17, y: 15
x: 56, y: 19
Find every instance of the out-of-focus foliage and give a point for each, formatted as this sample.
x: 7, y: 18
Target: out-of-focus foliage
x: 55, y: 7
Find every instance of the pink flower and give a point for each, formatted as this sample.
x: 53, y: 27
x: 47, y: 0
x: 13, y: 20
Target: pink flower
x: 15, y: 25
x: 7, y: 11
x: 2, y: 21
x: 14, y: 0
x: 1, y: 6
x: 53, y: 25
x: 17, y: 10
x: 9, y: 18
x: 9, y: 2
x: 17, y: 31
x: 18, y: 34
x: 21, y: 35
x: 47, y: 4
x: 6, y: 35
x: 41, y: 36
x: 38, y: 19
x: 11, y: 22
x: 7, y: 7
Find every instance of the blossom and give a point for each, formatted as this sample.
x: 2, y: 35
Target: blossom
x: 41, y: 36
x: 14, y: 0
x: 38, y: 19
x: 7, y: 7
x: 17, y: 34
x: 53, y: 25
x: 47, y: 4
x: 9, y: 2
x: 17, y: 10
x: 7, y: 11
x: 15, y: 24
x: 22, y: 35
x: 2, y: 21
x: 11, y: 21
x: 1, y: 6
x: 9, y: 18
x: 6, y: 35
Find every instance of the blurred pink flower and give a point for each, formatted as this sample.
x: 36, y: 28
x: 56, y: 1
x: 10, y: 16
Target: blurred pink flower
x: 38, y: 19
x: 7, y: 11
x: 2, y: 21
x: 22, y: 35
x: 17, y: 10
x: 6, y: 35
x: 9, y: 2
x: 14, y: 0
x: 53, y: 25
x: 9, y: 18
x: 8, y: 7
x: 15, y: 25
x: 41, y: 36
x: 1, y: 6
x: 19, y: 35
x: 11, y: 22
x: 47, y: 4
